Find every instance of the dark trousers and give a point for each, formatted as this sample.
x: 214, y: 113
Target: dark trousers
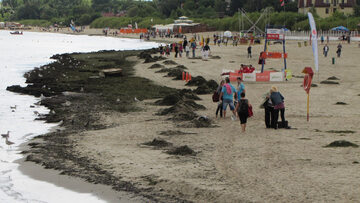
x: 268, y: 115
x: 275, y: 117
x: 220, y: 108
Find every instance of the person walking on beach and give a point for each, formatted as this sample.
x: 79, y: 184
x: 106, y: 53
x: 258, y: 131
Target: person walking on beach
x: 327, y: 39
x: 278, y: 101
x: 167, y: 51
x: 206, y: 50
x: 322, y: 39
x: 240, y: 88
x: 242, y: 108
x: 249, y: 51
x: 176, y: 48
x: 326, y: 50
x: 180, y: 49
x: 193, y: 47
x: 269, y: 108
x: 338, y: 51
x: 226, y: 94
x: 187, y: 50
x: 220, y: 103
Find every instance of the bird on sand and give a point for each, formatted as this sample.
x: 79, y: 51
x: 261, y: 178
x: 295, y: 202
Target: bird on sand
x: 5, y: 135
x: 136, y: 99
x: 9, y: 143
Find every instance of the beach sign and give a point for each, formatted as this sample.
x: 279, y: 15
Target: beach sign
x: 307, y: 85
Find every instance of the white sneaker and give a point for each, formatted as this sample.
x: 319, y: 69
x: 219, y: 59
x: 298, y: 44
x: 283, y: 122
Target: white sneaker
x: 233, y: 118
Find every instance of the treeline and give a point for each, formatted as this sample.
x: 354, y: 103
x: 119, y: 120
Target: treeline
x: 215, y: 13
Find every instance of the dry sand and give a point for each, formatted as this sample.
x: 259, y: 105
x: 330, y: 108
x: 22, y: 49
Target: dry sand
x: 261, y: 165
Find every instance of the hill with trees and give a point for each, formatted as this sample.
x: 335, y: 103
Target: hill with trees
x: 221, y: 14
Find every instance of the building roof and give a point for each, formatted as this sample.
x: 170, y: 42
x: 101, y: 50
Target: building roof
x: 321, y: 3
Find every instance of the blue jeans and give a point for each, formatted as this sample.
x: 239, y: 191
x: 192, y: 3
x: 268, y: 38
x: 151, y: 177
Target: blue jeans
x: 227, y: 102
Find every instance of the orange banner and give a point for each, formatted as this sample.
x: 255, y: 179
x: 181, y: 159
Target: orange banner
x: 274, y: 55
x: 130, y: 31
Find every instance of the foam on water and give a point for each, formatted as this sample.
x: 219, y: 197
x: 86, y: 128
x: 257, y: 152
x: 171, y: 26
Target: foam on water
x: 19, y: 54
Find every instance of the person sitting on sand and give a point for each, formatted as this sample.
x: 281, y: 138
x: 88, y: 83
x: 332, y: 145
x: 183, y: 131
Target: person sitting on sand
x: 227, y: 93
x: 242, y: 108
x: 278, y: 101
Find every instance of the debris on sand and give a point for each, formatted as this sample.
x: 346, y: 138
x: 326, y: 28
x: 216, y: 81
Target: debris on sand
x: 156, y: 65
x: 341, y: 103
x: 329, y: 82
x: 158, y: 143
x: 341, y: 131
x: 314, y: 85
x: 172, y: 99
x: 174, y: 133
x: 342, y: 143
x: 182, y: 151
x: 170, y: 62
x: 215, y: 57
x: 333, y: 78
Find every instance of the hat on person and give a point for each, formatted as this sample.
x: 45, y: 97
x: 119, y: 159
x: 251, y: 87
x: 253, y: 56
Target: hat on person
x: 274, y: 89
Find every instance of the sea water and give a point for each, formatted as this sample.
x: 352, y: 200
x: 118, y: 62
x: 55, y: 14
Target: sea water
x: 20, y: 54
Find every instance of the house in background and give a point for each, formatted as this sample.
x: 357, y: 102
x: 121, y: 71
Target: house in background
x: 325, y: 8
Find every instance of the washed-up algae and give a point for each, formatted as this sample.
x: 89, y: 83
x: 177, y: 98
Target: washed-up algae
x: 342, y: 143
x: 79, y: 111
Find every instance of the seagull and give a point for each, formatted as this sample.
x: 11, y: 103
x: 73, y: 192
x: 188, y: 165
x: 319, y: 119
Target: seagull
x: 42, y: 97
x: 5, y: 135
x: 13, y: 107
x: 135, y: 99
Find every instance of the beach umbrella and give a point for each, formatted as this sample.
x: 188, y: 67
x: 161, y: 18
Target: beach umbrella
x: 340, y: 28
x: 227, y: 34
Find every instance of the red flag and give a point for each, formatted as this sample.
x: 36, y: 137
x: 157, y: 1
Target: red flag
x: 281, y: 0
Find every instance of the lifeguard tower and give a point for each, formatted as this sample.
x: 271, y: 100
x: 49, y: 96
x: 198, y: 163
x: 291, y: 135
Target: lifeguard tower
x: 275, y: 34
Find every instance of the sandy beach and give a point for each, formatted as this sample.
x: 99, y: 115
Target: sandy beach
x: 260, y: 165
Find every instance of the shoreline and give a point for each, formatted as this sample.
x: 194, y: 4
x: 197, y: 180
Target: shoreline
x: 55, y: 147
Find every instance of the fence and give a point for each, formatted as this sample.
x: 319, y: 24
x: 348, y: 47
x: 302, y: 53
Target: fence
x: 321, y: 33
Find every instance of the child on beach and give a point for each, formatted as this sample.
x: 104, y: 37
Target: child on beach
x: 187, y: 50
x: 242, y: 108
x: 220, y: 103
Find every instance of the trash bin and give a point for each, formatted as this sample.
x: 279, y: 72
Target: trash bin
x: 299, y: 44
x: 333, y: 60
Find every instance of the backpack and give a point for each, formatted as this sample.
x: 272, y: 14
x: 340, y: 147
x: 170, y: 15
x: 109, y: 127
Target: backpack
x: 215, y: 96
x: 244, y: 107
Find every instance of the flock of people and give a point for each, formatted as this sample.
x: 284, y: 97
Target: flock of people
x: 241, y: 108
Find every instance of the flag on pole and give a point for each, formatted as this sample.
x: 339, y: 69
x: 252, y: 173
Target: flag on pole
x: 314, y: 41
x: 282, y: 2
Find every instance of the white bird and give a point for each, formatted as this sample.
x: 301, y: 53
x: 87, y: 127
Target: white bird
x: 5, y: 135
x: 42, y: 97
x: 135, y: 99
